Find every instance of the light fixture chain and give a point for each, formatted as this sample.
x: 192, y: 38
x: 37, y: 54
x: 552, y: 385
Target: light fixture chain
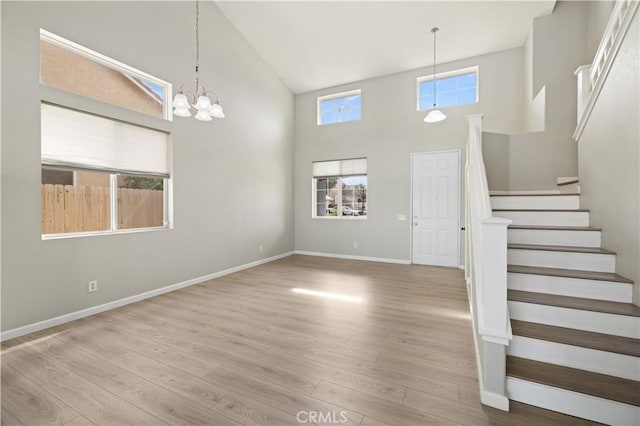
x: 197, y: 35
x: 435, y: 68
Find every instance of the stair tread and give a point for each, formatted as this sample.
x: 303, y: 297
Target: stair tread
x: 568, y: 273
x: 574, y: 249
x: 555, y: 228
x: 604, y: 306
x: 542, y: 210
x: 555, y: 194
x: 573, y: 337
x: 572, y: 379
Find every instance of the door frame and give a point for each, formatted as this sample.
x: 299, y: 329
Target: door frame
x: 458, y: 192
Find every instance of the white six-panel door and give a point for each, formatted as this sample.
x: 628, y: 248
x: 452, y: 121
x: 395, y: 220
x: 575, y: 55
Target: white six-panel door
x: 435, y: 215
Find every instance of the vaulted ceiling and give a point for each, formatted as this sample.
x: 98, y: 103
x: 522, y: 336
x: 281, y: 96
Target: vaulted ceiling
x: 318, y: 44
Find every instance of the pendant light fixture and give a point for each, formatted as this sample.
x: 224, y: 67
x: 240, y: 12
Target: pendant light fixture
x: 435, y: 115
x: 198, y: 99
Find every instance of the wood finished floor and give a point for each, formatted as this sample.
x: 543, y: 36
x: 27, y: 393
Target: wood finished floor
x: 245, y: 349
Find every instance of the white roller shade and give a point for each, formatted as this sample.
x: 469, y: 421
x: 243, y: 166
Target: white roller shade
x: 353, y: 166
x: 76, y: 139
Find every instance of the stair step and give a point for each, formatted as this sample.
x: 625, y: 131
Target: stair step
x: 558, y: 256
x: 534, y: 194
x: 584, y: 382
x: 568, y: 273
x: 565, y: 201
x: 546, y: 217
x: 576, y: 236
x: 584, y: 339
x: 572, y: 403
x: 616, y: 308
x: 572, y: 249
x: 555, y: 228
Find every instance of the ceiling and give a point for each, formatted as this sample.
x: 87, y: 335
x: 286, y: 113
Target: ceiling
x: 318, y: 44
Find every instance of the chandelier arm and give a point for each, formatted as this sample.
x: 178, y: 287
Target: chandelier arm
x: 213, y: 93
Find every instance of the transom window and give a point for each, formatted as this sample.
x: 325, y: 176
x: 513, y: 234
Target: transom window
x: 340, y: 107
x: 453, y: 88
x: 68, y: 66
x: 340, y: 188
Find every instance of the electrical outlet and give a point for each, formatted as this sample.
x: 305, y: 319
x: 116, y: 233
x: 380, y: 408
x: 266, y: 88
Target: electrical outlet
x: 260, y: 249
x: 355, y: 244
x: 92, y: 286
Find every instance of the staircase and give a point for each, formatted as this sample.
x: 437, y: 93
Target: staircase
x: 576, y: 334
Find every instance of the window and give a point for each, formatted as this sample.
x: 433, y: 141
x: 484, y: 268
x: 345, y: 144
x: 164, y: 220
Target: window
x: 100, y: 174
x: 105, y: 167
x: 340, y: 188
x: 454, y: 88
x: 340, y: 107
x: 73, y: 68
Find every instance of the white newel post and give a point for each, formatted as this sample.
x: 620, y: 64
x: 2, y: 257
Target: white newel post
x: 584, y: 88
x: 486, y: 264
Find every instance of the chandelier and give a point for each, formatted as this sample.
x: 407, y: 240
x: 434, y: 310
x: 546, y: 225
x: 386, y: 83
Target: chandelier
x: 206, y: 107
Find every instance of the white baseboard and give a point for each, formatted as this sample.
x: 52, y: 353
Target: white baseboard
x: 494, y: 400
x: 52, y: 322
x: 350, y: 257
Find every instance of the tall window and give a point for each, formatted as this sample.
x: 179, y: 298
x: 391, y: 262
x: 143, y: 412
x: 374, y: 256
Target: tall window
x: 454, y: 88
x: 340, y: 188
x: 340, y: 107
x: 101, y: 173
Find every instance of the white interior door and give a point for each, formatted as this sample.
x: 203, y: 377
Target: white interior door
x: 436, y: 204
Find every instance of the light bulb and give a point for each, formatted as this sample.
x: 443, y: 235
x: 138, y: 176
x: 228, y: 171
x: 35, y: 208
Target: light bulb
x: 216, y: 111
x: 182, y: 112
x: 203, y: 103
x: 203, y: 115
x: 180, y: 101
x: 434, y: 116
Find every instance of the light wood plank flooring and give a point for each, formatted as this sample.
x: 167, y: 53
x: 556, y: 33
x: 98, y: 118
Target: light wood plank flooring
x: 247, y: 349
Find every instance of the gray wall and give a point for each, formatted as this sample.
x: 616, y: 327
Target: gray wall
x: 233, y: 187
x: 609, y: 155
x: 390, y: 130
x: 555, y: 47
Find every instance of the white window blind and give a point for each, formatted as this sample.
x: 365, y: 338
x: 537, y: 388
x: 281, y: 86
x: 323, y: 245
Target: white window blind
x: 350, y: 167
x: 76, y: 139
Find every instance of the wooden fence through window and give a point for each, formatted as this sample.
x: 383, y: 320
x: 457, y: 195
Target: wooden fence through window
x: 69, y: 208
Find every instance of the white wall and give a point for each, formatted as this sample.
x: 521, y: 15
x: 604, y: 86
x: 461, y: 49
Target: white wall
x: 609, y: 155
x: 233, y: 187
x: 390, y: 130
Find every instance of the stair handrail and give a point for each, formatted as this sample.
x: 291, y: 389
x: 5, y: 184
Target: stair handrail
x: 591, y: 77
x: 486, y: 273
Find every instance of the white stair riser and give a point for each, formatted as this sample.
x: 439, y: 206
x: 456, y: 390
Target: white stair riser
x: 568, y: 202
x: 609, y: 363
x: 599, y: 322
x: 589, y: 289
x: 563, y: 260
x: 546, y: 218
x: 554, y: 237
x: 572, y: 403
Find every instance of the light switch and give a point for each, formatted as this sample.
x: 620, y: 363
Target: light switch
x: 402, y: 217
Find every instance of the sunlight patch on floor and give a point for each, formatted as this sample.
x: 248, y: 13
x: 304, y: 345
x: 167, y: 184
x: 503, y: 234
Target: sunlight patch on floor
x: 327, y: 295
